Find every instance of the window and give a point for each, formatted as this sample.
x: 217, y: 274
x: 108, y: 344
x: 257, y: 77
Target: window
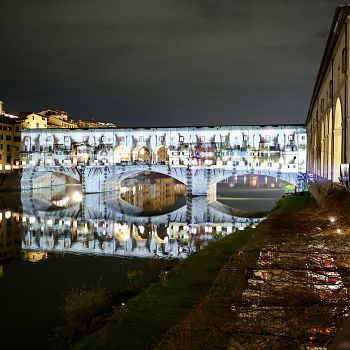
x: 86, y: 138
x: 49, y: 138
x: 8, y: 159
x: 37, y: 125
x: 8, y: 149
x: 27, y: 138
x: 322, y: 105
x: 33, y: 118
x: 1, y: 137
x: 141, y: 138
x: 8, y: 137
x: 161, y: 138
x: 103, y: 139
x: 303, y: 138
x: 344, y: 60
x: 202, y: 138
x: 291, y: 137
x: 1, y: 146
x: 9, y: 128
x: 245, y: 137
x: 17, y: 128
x: 181, y: 138
x: 66, y: 139
x: 17, y: 139
x: 122, y: 138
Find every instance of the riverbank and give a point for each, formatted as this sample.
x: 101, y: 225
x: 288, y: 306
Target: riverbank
x: 287, y: 288
x: 142, y: 321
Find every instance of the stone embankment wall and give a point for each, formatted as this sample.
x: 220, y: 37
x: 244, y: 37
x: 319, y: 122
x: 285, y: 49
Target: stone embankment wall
x: 321, y: 191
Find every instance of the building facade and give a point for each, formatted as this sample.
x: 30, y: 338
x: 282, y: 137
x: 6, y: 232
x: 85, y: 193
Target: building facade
x: 327, y: 121
x: 10, y: 143
x: 274, y: 147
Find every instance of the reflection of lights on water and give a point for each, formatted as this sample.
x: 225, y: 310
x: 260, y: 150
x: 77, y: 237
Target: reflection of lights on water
x: 49, y: 222
x: 0, y: 216
x: 32, y: 220
x: 338, y: 230
x: 77, y: 196
x: 218, y: 228
x: 7, y: 214
x: 141, y: 229
x: 331, y: 219
x: 229, y: 229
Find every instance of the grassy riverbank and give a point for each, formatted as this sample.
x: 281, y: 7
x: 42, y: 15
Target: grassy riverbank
x: 141, y: 322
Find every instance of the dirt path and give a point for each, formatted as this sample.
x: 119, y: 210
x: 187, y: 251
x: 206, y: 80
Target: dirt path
x: 286, y: 290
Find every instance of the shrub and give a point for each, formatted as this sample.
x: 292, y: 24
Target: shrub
x: 82, y: 304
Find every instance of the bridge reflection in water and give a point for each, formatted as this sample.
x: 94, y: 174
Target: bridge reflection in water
x: 63, y: 220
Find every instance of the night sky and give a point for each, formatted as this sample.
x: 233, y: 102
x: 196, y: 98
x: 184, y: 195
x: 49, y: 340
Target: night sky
x: 163, y: 62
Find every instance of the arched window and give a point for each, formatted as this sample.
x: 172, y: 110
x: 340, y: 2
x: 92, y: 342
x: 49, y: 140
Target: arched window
x: 322, y: 105
x: 344, y: 60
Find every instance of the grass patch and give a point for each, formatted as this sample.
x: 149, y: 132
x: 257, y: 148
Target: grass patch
x: 141, y: 322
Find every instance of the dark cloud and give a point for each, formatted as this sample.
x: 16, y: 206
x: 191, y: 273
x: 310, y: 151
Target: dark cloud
x: 164, y: 62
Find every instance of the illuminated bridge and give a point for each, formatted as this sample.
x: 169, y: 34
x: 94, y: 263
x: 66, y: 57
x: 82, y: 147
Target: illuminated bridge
x: 199, y: 157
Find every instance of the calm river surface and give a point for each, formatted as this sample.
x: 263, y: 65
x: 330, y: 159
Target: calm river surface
x: 52, y: 240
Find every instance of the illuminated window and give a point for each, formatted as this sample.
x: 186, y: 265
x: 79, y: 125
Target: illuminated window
x: 181, y: 138
x: 161, y: 138
x: 141, y: 138
x: 85, y: 138
x: 245, y: 137
x: 291, y: 137
x: 66, y: 139
x: 49, y: 138
x: 202, y: 138
x: 103, y: 139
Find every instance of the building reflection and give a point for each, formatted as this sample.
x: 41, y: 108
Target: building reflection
x: 150, y: 218
x: 152, y: 193
x: 10, y: 234
x: 253, y: 181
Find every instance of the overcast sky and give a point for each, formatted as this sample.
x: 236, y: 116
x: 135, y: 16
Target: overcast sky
x: 163, y: 62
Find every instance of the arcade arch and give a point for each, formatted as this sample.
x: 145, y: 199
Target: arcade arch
x: 121, y: 154
x: 160, y: 154
x: 141, y: 154
x: 337, y: 140
x: 329, y: 157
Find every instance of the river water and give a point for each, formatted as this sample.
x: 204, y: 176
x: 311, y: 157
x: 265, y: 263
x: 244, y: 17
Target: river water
x: 56, y: 239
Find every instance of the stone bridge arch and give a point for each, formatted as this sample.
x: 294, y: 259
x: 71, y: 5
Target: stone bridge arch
x: 41, y: 177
